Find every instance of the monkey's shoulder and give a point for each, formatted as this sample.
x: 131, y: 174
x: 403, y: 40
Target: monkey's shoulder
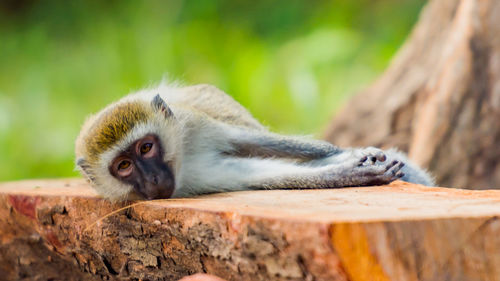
x: 214, y: 103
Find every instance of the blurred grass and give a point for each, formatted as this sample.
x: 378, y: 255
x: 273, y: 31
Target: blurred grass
x: 290, y: 62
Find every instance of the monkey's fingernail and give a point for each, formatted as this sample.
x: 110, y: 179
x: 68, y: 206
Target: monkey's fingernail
x: 400, y: 174
x: 401, y: 165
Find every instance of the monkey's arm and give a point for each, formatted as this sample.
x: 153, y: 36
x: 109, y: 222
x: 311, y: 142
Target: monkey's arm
x: 412, y: 172
x: 254, y: 143
x: 233, y: 173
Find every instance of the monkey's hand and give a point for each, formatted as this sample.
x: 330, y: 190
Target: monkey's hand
x: 368, y: 155
x: 364, y: 167
x: 373, y: 171
x: 399, y: 165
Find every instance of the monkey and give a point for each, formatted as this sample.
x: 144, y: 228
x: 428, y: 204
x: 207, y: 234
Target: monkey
x: 180, y: 141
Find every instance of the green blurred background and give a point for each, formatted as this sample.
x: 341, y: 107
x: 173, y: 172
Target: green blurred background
x: 292, y: 63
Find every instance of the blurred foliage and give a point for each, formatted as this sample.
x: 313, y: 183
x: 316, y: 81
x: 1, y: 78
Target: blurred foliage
x: 290, y: 62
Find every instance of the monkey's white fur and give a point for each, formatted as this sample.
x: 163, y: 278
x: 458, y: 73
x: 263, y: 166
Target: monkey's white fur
x: 208, y: 126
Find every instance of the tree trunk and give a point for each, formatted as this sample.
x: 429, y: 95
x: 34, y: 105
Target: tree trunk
x: 440, y: 98
x: 57, y: 230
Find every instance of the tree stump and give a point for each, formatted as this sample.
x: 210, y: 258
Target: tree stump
x: 58, y: 230
x: 440, y: 98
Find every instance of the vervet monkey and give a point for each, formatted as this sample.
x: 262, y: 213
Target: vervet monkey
x: 169, y: 141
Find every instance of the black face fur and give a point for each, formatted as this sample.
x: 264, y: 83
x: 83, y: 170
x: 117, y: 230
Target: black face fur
x: 141, y: 165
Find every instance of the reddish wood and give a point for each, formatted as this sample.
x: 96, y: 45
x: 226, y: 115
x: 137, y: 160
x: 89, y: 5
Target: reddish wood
x: 440, y: 98
x: 53, y: 229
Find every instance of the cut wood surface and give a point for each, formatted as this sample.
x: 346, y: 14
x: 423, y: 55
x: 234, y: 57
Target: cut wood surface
x: 59, y: 229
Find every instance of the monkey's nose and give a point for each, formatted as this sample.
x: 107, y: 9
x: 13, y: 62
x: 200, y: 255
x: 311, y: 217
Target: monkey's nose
x: 158, y: 187
x: 155, y: 179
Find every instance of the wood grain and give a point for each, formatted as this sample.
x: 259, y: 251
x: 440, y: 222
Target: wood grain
x: 59, y: 229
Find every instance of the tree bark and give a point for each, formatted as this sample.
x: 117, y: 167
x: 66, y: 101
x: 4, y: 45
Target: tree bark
x: 57, y: 230
x: 439, y: 100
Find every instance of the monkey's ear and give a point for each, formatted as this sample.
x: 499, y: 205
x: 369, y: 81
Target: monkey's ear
x: 84, y: 168
x: 161, y: 106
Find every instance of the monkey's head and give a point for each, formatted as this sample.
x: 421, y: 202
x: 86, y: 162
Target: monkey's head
x: 131, y: 149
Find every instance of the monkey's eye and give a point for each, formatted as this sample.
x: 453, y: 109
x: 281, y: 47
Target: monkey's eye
x: 123, y: 165
x: 145, y: 148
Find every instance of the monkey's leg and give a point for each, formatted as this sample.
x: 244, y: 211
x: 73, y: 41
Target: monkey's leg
x: 233, y: 173
x: 252, y: 143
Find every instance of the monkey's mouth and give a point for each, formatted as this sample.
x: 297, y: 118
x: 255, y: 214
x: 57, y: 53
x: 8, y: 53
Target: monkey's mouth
x: 154, y: 192
x: 156, y: 188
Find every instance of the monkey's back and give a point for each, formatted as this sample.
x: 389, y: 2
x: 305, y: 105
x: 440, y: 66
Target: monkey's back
x: 215, y: 103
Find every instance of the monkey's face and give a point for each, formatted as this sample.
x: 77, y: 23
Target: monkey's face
x: 142, y: 166
x: 131, y: 149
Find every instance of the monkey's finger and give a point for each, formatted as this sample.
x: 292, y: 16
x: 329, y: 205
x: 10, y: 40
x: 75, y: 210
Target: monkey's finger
x: 362, y: 160
x: 377, y: 156
x: 380, y: 156
x: 401, y: 165
x: 394, y: 168
x: 392, y: 164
